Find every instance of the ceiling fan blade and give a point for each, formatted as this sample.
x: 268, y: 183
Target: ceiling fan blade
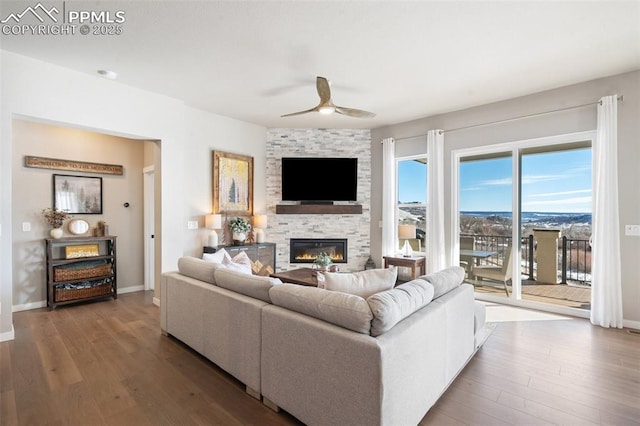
x: 300, y: 112
x: 324, y: 91
x: 352, y: 112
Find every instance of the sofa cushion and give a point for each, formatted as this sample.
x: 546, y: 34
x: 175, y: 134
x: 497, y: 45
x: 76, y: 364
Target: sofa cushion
x: 392, y: 306
x: 342, y: 309
x: 198, y: 269
x: 445, y: 280
x: 216, y: 257
x: 240, y: 263
x: 249, y: 285
x: 363, y: 283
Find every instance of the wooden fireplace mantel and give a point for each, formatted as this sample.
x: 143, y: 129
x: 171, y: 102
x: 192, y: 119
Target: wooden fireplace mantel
x: 319, y: 209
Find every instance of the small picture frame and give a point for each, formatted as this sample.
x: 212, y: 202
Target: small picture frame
x: 77, y: 194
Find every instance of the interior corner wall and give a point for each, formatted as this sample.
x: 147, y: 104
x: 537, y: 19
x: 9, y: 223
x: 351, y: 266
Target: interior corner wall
x: 48, y: 93
x: 565, y: 122
x: 32, y: 192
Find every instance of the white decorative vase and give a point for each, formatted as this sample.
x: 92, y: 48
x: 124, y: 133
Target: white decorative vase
x: 239, y: 237
x: 56, y: 233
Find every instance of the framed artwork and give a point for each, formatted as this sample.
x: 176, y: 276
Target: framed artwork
x: 77, y: 194
x: 232, y: 183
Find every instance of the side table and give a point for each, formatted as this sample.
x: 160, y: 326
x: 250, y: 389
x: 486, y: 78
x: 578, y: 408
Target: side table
x: 415, y: 263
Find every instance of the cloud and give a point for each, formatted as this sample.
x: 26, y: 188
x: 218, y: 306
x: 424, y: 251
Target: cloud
x: 529, y: 179
x: 496, y: 182
x: 554, y: 194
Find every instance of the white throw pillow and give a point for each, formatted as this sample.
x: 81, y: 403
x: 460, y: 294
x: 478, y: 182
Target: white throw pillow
x: 216, y: 257
x: 240, y: 263
x: 363, y: 283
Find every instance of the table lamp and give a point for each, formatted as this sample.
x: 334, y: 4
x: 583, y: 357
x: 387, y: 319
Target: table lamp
x: 260, y: 223
x: 406, y: 233
x: 213, y: 222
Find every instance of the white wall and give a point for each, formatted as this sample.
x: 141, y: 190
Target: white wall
x: 570, y: 121
x: 48, y: 93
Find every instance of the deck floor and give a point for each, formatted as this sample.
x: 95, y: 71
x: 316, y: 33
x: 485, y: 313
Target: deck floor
x: 574, y: 296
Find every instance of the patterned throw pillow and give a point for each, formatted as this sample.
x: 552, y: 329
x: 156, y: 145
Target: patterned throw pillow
x: 240, y: 263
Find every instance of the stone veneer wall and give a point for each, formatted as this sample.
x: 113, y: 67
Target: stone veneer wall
x: 354, y: 227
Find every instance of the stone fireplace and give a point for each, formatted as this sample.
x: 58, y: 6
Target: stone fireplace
x: 334, y: 224
x: 305, y: 250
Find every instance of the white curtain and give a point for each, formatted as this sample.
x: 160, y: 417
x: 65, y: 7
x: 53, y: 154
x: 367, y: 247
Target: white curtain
x: 389, y: 223
x: 606, y: 283
x: 436, y: 258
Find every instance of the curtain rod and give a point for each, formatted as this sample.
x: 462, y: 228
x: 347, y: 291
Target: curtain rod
x: 620, y: 98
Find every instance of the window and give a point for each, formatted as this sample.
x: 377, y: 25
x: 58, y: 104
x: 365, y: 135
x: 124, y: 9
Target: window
x: 411, y: 205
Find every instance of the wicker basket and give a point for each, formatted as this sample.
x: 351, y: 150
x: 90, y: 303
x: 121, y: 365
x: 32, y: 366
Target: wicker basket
x: 63, y: 294
x: 61, y: 274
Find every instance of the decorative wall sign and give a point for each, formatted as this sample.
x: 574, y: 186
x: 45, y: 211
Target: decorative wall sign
x: 77, y: 194
x: 75, y: 166
x: 232, y: 183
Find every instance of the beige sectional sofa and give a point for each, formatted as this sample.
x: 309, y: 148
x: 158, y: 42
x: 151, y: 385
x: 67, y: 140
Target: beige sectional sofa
x: 327, y: 357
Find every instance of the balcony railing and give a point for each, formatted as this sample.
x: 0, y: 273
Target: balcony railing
x: 574, y: 256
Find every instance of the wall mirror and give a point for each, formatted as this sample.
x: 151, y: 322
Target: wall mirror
x: 78, y: 226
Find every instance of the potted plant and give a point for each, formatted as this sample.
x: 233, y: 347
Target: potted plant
x: 323, y: 261
x: 55, y: 218
x: 239, y: 226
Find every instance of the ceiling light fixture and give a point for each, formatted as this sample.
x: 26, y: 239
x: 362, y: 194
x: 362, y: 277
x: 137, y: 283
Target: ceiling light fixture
x: 327, y: 109
x: 111, y: 75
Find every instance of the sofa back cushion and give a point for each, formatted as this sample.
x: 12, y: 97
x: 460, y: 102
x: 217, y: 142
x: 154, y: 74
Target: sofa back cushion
x: 445, y: 280
x: 392, y: 306
x: 363, y: 283
x: 342, y: 309
x: 198, y: 269
x: 250, y: 285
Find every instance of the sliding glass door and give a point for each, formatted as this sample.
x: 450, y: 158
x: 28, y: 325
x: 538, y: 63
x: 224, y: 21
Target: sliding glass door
x: 523, y: 223
x: 485, y: 218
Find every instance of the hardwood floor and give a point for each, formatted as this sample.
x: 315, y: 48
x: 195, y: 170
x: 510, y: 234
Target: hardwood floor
x: 106, y: 363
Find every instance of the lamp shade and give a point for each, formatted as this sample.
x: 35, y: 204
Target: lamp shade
x: 406, y: 232
x: 213, y: 221
x: 260, y: 221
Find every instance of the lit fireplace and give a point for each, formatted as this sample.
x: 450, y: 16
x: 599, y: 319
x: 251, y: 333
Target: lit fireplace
x: 305, y: 250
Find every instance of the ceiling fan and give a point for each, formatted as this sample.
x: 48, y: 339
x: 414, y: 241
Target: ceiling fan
x: 326, y: 106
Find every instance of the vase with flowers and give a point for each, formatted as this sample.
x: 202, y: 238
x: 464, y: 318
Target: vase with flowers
x: 240, y: 227
x: 55, y: 218
x: 322, y: 261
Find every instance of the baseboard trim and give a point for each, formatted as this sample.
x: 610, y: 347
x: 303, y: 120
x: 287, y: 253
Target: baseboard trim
x: 9, y: 335
x: 130, y: 289
x: 631, y: 324
x: 29, y: 306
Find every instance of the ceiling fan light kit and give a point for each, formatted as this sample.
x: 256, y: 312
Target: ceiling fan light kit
x: 326, y: 106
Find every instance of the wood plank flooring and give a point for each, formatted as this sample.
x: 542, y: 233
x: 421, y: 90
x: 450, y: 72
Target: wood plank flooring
x: 106, y: 363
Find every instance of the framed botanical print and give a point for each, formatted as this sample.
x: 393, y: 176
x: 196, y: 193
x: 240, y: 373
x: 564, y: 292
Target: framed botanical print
x: 232, y: 183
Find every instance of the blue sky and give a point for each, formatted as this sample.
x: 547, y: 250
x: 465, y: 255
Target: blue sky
x: 552, y: 182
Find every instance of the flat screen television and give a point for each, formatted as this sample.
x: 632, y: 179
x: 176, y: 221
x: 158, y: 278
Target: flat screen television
x: 317, y: 180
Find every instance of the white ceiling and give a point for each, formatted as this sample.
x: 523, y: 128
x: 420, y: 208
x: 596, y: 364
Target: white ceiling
x: 257, y: 60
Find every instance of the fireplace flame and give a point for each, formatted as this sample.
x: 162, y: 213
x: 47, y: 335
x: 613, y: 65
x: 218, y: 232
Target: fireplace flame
x: 308, y: 256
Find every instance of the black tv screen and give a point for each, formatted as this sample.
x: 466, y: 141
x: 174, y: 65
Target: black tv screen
x: 310, y: 179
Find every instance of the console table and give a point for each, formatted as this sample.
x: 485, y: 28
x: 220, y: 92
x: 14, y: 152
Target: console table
x: 415, y: 263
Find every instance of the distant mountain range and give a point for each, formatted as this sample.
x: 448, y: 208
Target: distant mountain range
x: 540, y: 218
